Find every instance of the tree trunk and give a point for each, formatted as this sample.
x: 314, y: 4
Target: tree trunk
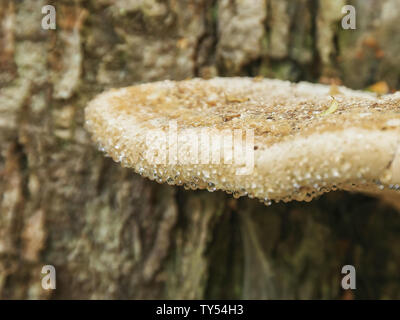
x: 110, y: 233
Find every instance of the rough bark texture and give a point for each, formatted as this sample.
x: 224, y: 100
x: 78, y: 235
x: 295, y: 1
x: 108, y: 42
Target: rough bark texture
x: 111, y: 234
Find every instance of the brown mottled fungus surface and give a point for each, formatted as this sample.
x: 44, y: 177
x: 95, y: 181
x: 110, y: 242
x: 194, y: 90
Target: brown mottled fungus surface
x: 306, y: 142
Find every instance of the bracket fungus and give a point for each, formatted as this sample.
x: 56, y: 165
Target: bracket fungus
x: 267, y: 139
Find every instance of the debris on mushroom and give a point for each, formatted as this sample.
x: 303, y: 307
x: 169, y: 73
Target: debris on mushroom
x: 379, y: 88
x: 332, y: 107
x: 334, y: 90
x: 265, y: 139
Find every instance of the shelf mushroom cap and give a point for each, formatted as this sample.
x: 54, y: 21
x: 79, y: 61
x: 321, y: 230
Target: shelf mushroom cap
x: 268, y: 139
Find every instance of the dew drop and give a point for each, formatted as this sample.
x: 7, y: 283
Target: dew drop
x: 211, y: 187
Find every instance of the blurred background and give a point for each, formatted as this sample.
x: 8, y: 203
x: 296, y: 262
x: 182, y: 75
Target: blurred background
x: 110, y: 233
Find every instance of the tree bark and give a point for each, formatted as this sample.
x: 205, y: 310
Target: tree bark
x: 110, y: 233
